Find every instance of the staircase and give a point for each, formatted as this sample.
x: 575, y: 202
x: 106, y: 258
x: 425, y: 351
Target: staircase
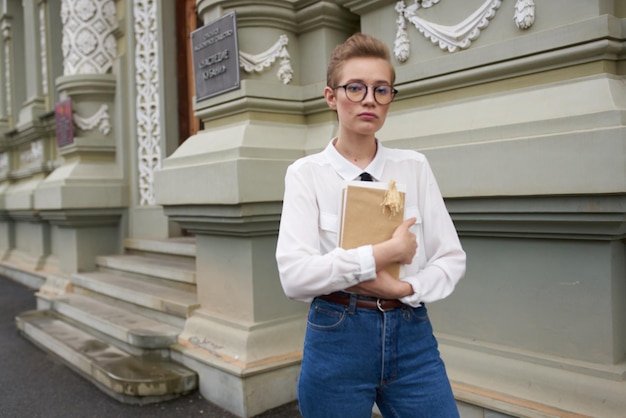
x: 116, y: 324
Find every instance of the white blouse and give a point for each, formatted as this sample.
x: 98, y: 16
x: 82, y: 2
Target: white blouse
x: 310, y: 263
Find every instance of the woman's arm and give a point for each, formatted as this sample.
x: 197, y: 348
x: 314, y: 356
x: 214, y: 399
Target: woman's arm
x: 304, y: 271
x: 445, y: 258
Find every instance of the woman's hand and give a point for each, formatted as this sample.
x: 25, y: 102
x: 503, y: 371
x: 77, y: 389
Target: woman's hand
x: 406, y: 243
x: 400, y: 248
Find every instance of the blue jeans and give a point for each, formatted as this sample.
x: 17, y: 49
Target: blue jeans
x: 356, y: 357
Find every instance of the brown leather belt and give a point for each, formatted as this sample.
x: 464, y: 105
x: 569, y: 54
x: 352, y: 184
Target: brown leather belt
x: 382, y: 305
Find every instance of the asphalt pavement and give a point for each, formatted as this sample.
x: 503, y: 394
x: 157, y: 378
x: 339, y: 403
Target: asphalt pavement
x: 34, y: 383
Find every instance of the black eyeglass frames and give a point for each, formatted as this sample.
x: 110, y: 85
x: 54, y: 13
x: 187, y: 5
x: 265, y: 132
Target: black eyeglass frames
x: 356, y: 92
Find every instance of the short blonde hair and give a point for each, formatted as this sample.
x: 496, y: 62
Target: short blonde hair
x: 356, y: 46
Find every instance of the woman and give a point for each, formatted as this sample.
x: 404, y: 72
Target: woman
x: 368, y: 336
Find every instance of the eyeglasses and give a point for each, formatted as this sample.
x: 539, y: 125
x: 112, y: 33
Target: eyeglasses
x: 356, y: 92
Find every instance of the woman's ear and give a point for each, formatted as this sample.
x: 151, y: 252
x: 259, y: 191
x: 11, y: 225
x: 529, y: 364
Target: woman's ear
x: 331, y: 99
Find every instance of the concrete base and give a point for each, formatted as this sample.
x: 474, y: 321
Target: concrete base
x: 526, y: 384
x: 244, y: 392
x: 72, y: 235
x: 32, y: 247
x: 7, y: 235
x: 244, y: 345
x: 246, y: 368
x: 26, y: 261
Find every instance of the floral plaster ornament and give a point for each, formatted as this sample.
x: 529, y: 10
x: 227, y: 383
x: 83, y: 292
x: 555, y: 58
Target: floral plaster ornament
x: 524, y: 14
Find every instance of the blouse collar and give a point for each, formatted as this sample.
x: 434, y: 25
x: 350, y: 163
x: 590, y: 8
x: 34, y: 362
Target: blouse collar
x: 349, y: 171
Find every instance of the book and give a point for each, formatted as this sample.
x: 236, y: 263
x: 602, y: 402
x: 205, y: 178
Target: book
x: 364, y: 219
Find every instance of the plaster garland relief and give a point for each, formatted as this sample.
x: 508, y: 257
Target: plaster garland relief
x: 259, y: 62
x: 456, y: 37
x: 100, y: 119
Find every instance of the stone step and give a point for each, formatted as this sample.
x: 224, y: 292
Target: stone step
x: 153, y: 295
x: 121, y: 324
x: 171, y: 247
x: 123, y: 376
x: 160, y: 267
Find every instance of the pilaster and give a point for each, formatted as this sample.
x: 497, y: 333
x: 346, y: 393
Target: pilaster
x: 13, y: 50
x: 225, y: 185
x: 149, y: 106
x: 34, y: 62
x: 32, y: 251
x: 30, y: 158
x: 244, y: 335
x: 84, y: 196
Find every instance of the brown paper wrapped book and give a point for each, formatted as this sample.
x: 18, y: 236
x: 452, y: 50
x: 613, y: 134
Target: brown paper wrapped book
x: 367, y: 217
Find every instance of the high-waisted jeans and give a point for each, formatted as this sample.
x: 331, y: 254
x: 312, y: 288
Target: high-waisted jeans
x: 356, y: 357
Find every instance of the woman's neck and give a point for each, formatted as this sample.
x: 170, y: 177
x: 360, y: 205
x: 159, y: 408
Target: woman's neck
x: 359, y: 152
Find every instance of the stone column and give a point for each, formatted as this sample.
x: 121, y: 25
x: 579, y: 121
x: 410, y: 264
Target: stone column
x: 27, y: 133
x: 35, y: 103
x: 225, y: 185
x: 86, y: 195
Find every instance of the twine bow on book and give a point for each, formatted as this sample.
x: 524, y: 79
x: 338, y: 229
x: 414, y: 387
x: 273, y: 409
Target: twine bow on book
x: 392, y: 202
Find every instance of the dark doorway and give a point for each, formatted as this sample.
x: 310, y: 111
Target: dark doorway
x: 186, y: 22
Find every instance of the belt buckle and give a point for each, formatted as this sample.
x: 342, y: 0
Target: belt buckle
x: 379, y: 306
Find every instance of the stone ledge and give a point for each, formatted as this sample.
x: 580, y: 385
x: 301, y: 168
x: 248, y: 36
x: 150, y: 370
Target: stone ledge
x: 520, y: 388
x: 501, y: 402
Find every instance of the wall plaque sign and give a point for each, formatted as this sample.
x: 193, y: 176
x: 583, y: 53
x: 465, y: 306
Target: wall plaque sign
x: 64, y: 123
x: 215, y: 54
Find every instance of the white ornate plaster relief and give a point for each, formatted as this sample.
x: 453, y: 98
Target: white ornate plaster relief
x: 459, y: 36
x: 43, y: 44
x: 89, y: 46
x: 6, y: 37
x: 451, y: 38
x: 524, y: 14
x: 100, y: 119
x: 259, y: 62
x: 427, y: 3
x: 34, y: 154
x: 147, y: 103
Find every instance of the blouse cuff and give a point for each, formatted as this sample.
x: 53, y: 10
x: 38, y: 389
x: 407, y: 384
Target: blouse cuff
x: 367, y: 262
x: 414, y: 298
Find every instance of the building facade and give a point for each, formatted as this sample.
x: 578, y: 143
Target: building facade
x: 118, y: 188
